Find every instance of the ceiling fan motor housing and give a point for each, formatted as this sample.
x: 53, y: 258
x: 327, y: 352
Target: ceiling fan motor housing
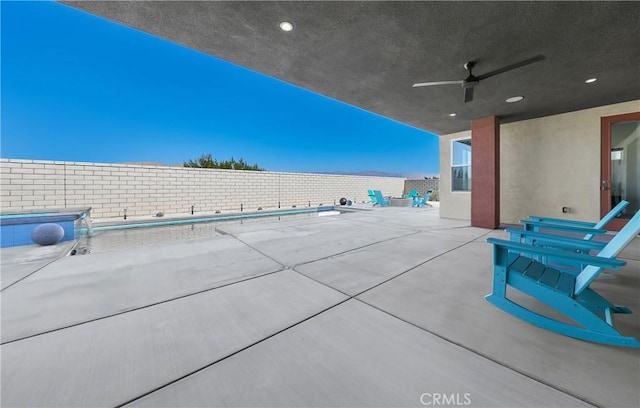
x: 470, y: 82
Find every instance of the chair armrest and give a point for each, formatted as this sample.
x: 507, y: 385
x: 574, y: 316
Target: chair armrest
x: 577, y: 244
x: 608, y: 263
x: 566, y: 228
x: 562, y: 221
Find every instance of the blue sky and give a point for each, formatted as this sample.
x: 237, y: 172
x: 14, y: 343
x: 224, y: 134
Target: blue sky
x: 80, y: 88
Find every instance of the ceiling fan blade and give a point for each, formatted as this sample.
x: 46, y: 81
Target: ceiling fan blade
x: 437, y: 83
x: 512, y: 66
x: 468, y: 94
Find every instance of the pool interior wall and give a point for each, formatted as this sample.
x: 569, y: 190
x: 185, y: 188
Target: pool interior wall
x: 16, y: 229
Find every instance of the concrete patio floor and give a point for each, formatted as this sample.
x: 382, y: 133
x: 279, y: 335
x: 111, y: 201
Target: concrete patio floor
x: 375, y: 308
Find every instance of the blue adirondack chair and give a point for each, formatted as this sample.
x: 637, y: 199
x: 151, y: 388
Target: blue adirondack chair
x: 530, y: 234
x: 578, y: 245
x: 372, y: 197
x: 536, y: 223
x: 413, y: 193
x: 422, y: 201
x: 383, y: 202
x: 568, y: 293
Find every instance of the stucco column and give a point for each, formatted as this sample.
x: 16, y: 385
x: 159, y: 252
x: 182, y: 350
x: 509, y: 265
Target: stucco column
x: 485, y: 172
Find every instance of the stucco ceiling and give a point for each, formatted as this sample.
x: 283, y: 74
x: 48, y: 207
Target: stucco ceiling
x: 369, y: 54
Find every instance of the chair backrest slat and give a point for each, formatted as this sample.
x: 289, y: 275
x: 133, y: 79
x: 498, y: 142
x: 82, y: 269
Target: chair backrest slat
x: 615, y: 211
x: 613, y: 248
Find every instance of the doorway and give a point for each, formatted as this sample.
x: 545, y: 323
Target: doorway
x: 620, y: 166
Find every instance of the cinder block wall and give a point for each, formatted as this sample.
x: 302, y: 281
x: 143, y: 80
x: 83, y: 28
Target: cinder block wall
x: 421, y: 185
x: 146, y: 190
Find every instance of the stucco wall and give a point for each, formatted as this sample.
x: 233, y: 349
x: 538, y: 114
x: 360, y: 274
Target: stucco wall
x: 545, y: 164
x: 453, y: 204
x: 554, y: 162
x: 146, y: 190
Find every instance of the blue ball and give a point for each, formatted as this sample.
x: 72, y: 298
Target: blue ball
x: 47, y: 234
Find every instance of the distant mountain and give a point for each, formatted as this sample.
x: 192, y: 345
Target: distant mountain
x: 376, y: 173
x: 373, y: 173
x: 420, y: 176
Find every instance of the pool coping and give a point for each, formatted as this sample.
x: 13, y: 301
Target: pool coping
x: 58, y: 211
x: 173, y: 219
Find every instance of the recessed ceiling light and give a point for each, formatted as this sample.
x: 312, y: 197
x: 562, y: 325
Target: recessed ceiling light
x: 286, y: 26
x: 591, y: 80
x: 514, y: 99
x: 452, y: 114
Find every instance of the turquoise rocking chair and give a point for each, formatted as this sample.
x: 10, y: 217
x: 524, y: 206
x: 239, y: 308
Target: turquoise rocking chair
x: 536, y: 223
x: 514, y: 265
x: 553, y: 228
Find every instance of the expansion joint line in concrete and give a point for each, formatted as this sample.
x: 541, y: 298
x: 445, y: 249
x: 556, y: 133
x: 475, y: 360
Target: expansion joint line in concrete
x: 144, y: 307
x: 418, y: 229
x: 230, y: 355
x: 417, y: 266
x: 26, y: 276
x: 282, y: 330
x: 258, y: 251
x: 391, y: 224
x: 482, y: 355
x: 386, y: 280
x: 183, y: 377
x: 354, y: 249
x: 42, y: 267
x: 292, y: 267
x: 282, y: 267
x: 455, y: 343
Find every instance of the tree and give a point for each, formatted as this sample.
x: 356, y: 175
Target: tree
x: 206, y: 161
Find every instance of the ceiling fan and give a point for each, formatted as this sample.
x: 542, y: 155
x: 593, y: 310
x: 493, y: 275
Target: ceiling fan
x: 473, y: 80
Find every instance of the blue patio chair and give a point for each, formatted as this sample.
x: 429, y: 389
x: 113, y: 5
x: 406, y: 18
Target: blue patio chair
x: 531, y: 234
x: 422, y: 201
x: 383, y: 202
x: 568, y: 293
x: 413, y: 193
x: 536, y: 223
x: 372, y: 197
x: 577, y: 245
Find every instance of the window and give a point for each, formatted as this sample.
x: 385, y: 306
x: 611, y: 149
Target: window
x: 461, y: 165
